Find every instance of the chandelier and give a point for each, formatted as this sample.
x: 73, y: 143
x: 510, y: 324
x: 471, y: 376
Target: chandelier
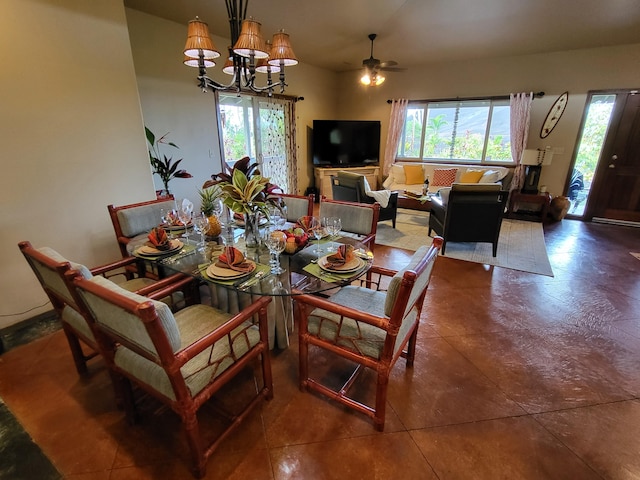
x: 248, y: 54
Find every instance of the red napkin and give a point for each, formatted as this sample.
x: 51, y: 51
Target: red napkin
x: 159, y: 239
x: 305, y: 223
x: 234, y: 259
x: 342, y: 256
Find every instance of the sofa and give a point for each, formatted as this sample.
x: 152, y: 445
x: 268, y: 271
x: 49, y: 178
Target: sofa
x: 409, y: 177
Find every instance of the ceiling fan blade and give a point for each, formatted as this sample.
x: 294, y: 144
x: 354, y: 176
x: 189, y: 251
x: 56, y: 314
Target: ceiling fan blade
x: 392, y: 69
x: 388, y: 63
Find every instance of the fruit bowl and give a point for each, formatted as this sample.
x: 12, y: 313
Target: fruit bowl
x: 296, y: 239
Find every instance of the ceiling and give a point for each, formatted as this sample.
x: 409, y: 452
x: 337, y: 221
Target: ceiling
x: 332, y: 34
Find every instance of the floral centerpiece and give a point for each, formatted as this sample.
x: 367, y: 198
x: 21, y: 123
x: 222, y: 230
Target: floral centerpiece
x: 246, y: 192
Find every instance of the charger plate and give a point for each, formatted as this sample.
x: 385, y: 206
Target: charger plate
x: 214, y: 271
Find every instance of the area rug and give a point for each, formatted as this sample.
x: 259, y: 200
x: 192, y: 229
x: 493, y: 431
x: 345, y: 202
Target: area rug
x: 520, y: 246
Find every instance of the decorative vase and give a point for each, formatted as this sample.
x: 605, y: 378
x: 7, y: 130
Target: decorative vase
x: 252, y: 229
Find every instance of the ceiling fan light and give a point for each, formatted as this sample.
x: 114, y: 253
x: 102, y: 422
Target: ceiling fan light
x: 281, y: 50
x: 379, y: 80
x: 199, y: 41
x: 250, y: 41
x: 365, y: 79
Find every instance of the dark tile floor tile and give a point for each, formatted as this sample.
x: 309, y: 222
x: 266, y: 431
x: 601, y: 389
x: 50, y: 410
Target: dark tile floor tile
x: 508, y: 448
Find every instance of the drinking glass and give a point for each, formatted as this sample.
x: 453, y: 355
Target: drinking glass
x: 332, y: 225
x: 275, y: 241
x: 201, y: 222
x: 184, y: 214
x: 315, y: 228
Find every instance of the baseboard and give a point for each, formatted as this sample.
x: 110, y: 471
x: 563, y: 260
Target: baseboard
x: 622, y: 223
x: 28, y: 330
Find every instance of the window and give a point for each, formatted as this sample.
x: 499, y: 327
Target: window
x: 470, y: 131
x: 260, y: 128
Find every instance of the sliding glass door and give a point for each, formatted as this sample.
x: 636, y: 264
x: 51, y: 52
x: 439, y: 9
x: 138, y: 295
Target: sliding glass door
x: 263, y: 129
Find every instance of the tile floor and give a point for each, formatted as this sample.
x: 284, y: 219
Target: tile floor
x: 517, y: 376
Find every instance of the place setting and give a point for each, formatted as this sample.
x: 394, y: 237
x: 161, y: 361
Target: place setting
x: 158, y: 245
x: 342, y: 264
x: 231, y: 267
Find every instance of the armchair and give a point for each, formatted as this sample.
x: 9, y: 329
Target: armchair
x: 369, y: 327
x: 134, y: 220
x: 50, y: 267
x: 181, y: 360
x: 471, y: 213
x: 297, y: 206
x: 358, y: 219
x: 352, y: 187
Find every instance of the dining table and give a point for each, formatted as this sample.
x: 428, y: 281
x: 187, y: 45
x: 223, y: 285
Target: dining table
x: 304, y: 272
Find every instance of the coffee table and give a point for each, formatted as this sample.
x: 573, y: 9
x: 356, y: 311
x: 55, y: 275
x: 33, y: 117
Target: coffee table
x: 413, y: 203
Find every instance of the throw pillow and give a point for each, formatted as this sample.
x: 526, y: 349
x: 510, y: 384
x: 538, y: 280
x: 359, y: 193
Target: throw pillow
x: 444, y: 177
x: 414, y: 174
x: 397, y: 171
x: 489, y: 176
x: 471, y: 176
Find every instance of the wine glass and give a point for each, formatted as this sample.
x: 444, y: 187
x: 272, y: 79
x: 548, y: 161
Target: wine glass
x: 332, y: 225
x: 275, y: 241
x: 315, y: 228
x: 184, y: 214
x: 201, y: 222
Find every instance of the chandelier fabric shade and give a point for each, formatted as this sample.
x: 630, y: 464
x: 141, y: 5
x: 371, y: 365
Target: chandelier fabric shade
x: 199, y: 41
x: 281, y: 50
x: 250, y: 41
x: 264, y: 66
x: 249, y: 54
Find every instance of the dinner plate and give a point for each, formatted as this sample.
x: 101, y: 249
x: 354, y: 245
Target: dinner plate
x: 172, y: 228
x: 351, y: 266
x: 240, y: 222
x: 154, y: 252
x: 220, y: 273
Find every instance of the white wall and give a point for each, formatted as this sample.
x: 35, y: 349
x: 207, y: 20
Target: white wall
x: 72, y: 137
x: 574, y: 71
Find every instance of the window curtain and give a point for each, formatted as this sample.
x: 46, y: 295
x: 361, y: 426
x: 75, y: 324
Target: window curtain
x: 396, y: 123
x: 278, y: 143
x: 520, y: 104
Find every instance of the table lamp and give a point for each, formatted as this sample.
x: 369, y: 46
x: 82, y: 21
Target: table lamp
x: 534, y: 159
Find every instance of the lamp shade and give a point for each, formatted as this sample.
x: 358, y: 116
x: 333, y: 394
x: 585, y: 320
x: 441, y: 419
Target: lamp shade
x: 281, y: 50
x: 229, y: 69
x: 536, y: 157
x: 199, y: 41
x: 263, y: 63
x: 250, y: 41
x: 194, y: 62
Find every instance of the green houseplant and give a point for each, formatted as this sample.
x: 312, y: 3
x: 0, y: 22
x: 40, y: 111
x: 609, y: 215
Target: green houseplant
x: 164, y: 166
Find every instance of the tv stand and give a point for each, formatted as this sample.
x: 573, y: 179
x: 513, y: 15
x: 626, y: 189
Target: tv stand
x: 323, y: 177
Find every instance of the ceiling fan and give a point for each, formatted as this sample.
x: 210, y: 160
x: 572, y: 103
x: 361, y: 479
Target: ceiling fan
x: 373, y: 66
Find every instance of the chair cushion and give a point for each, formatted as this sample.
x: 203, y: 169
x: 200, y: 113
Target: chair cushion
x: 394, y: 284
x: 355, y: 218
x: 414, y: 174
x: 356, y: 336
x: 128, y: 325
x: 193, y: 323
x: 137, y: 220
x: 444, y: 177
x: 77, y: 321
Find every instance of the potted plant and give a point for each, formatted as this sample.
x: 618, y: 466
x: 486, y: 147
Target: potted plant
x: 165, y: 167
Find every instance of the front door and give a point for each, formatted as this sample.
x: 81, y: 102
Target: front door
x: 615, y: 193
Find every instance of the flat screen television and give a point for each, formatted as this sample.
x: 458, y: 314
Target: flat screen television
x: 346, y: 143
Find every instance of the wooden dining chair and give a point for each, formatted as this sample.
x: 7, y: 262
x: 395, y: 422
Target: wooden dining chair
x: 367, y: 326
x: 359, y: 220
x: 134, y: 221
x: 50, y: 267
x: 297, y: 206
x: 183, y: 359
